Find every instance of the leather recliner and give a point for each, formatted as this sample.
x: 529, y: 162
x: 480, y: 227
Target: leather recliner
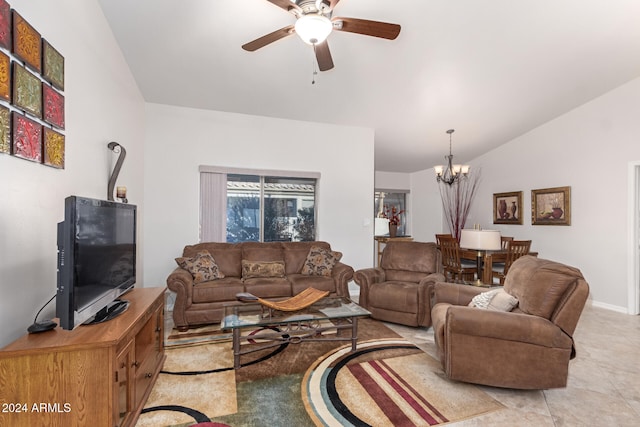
x: 399, y: 290
x: 526, y: 348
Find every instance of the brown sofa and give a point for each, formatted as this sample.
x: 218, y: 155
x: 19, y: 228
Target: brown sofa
x: 202, y: 303
x: 399, y: 291
x: 528, y: 347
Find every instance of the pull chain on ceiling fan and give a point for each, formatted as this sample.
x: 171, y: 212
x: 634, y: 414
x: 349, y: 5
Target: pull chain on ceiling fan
x: 314, y: 23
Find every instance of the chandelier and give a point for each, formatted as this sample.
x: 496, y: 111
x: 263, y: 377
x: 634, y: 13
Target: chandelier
x: 450, y: 173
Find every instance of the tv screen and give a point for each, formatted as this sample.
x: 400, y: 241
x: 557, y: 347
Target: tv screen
x: 96, y: 258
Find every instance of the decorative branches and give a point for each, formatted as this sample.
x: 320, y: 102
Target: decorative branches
x: 456, y: 201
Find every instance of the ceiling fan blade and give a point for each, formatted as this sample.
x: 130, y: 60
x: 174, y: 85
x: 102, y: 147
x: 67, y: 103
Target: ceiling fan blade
x: 383, y: 30
x: 286, y: 5
x: 269, y: 38
x: 323, y: 56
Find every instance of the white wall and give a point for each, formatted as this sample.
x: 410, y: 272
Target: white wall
x: 426, y: 206
x: 102, y: 104
x: 180, y: 139
x: 588, y: 149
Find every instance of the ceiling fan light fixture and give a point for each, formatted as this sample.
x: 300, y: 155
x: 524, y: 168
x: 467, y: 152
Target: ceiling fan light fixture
x: 313, y: 28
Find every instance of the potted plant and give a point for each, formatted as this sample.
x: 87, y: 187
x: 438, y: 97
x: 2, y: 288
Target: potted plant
x: 394, y: 217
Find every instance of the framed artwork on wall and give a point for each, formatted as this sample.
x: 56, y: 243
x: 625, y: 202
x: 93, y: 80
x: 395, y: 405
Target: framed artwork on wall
x: 5, y: 130
x: 5, y: 25
x: 507, y: 208
x: 27, y: 43
x: 5, y: 77
x: 27, y: 91
x: 53, y: 101
x: 551, y: 206
x: 53, y: 148
x: 52, y: 65
x: 27, y: 138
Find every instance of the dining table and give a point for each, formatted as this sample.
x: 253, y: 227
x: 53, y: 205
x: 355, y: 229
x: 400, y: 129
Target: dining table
x: 488, y: 259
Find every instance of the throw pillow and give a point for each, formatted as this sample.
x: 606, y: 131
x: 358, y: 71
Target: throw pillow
x: 202, y: 267
x: 497, y: 300
x: 253, y: 269
x: 320, y: 262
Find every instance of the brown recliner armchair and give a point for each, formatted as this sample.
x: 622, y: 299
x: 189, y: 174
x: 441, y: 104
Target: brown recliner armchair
x: 526, y: 348
x: 399, y: 291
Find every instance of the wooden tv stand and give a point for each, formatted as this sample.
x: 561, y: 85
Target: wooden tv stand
x: 96, y: 375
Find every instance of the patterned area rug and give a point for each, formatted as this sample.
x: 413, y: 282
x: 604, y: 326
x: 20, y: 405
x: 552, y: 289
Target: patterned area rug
x: 386, y: 381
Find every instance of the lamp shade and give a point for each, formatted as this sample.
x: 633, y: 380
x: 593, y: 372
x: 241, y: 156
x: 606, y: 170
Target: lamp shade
x: 313, y: 29
x: 484, y: 240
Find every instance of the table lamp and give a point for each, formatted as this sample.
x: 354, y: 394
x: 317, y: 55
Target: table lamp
x: 480, y: 240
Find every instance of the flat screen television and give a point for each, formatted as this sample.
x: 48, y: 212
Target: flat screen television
x: 96, y: 260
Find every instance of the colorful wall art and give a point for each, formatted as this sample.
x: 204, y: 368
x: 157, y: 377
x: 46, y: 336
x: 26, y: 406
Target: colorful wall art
x: 32, y: 103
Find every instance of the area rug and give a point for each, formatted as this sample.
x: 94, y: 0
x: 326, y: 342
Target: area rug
x: 386, y: 381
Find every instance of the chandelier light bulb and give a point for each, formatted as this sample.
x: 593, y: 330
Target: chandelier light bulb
x: 313, y: 28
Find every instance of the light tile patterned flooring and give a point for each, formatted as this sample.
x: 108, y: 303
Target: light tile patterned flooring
x: 604, y: 379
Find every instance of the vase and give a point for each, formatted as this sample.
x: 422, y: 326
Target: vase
x: 393, y: 230
x: 556, y: 213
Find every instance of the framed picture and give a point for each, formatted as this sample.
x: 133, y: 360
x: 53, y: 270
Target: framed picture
x: 5, y: 130
x: 5, y: 77
x: 53, y: 148
x: 27, y: 43
x: 27, y: 138
x: 53, y: 101
x: 551, y: 206
x: 27, y: 91
x: 52, y: 65
x: 5, y: 25
x: 507, y: 208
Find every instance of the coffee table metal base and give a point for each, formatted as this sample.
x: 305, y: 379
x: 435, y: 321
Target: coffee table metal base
x: 293, y: 333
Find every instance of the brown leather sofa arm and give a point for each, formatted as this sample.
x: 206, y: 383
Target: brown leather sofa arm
x: 369, y: 276
x: 433, y: 278
x: 505, y: 326
x: 342, y: 274
x: 180, y: 281
x: 454, y: 293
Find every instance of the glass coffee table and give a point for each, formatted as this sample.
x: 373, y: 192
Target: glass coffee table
x: 278, y: 327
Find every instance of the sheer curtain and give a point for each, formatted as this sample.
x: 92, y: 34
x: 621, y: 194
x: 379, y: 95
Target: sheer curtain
x: 213, y: 207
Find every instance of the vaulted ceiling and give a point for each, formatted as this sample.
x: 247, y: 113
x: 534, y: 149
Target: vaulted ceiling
x: 491, y: 69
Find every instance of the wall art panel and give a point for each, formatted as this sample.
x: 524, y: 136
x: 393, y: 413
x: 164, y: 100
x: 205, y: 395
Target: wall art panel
x: 53, y: 148
x: 53, y: 106
x: 5, y: 25
x: 27, y: 138
x: 27, y: 43
x: 5, y: 130
x: 52, y: 65
x: 27, y: 91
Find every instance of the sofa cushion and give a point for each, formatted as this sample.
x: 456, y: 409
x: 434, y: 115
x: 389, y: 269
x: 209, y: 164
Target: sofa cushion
x: 251, y: 269
x: 227, y: 255
x: 300, y: 282
x: 262, y: 251
x: 395, y: 295
x: 320, y: 261
x: 295, y: 254
x: 497, y: 300
x: 220, y: 290
x: 202, y: 267
x: 268, y: 287
x: 540, y: 284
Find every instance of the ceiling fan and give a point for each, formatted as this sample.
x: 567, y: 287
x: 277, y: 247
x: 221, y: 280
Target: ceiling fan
x: 314, y: 23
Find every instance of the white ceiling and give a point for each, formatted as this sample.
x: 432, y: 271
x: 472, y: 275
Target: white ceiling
x: 491, y: 69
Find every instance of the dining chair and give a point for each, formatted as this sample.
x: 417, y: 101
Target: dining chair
x: 515, y: 249
x: 454, y: 269
x: 440, y: 236
x: 504, y: 240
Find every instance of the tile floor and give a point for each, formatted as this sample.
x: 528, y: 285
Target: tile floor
x: 604, y: 379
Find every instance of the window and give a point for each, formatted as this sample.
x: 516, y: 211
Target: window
x: 383, y: 203
x: 240, y: 205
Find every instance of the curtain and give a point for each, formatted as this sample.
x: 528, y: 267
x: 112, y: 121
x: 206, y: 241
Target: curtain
x: 213, y: 207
